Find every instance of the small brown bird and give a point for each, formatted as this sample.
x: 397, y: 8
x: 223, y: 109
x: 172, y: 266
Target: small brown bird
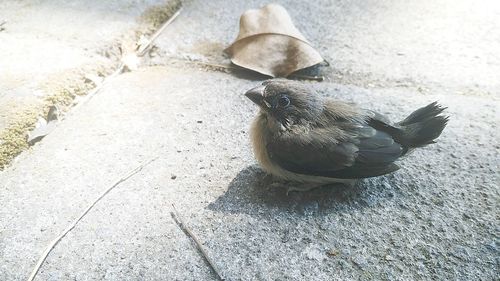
x: 302, y: 137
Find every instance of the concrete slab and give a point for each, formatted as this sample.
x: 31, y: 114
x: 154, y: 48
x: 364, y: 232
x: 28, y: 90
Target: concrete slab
x: 50, y: 48
x: 45, y: 39
x: 434, y: 219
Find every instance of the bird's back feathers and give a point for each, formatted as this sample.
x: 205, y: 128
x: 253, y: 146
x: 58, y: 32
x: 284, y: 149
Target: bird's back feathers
x: 352, y: 145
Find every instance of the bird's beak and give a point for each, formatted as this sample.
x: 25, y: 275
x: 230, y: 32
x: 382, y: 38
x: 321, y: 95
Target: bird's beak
x: 256, y: 95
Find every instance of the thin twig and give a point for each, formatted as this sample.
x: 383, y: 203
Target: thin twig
x: 71, y: 226
x: 177, y: 218
x: 141, y: 51
x: 307, y: 77
x: 143, y: 48
x: 215, y: 65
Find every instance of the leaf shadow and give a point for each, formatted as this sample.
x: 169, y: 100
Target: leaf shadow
x: 318, y: 70
x: 251, y: 193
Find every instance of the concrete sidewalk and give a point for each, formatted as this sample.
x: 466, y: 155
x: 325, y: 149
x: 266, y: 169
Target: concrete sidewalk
x: 43, y: 41
x: 436, y: 218
x: 55, y: 51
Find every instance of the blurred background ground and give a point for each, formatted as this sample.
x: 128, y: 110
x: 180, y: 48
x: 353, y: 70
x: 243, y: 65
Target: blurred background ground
x: 437, y: 218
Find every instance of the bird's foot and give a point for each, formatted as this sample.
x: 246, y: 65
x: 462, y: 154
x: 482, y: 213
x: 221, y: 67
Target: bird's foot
x: 291, y: 186
x: 277, y: 184
x: 268, y: 179
x: 350, y: 183
x: 302, y: 187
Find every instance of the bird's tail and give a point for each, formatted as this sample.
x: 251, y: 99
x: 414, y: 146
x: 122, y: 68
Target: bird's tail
x: 424, y: 125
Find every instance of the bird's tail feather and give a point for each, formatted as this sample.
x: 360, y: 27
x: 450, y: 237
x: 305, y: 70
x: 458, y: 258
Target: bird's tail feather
x: 424, y: 125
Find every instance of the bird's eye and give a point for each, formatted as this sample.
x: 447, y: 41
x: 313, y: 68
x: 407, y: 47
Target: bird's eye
x: 284, y: 101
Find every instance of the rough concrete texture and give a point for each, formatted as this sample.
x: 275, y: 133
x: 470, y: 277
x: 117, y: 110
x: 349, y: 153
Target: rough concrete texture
x: 436, y: 218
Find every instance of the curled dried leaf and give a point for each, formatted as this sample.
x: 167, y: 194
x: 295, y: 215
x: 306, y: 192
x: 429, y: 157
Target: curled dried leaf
x: 44, y: 126
x: 269, y: 43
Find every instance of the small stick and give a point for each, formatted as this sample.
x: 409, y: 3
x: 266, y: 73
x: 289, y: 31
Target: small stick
x: 177, y: 218
x: 215, y: 65
x: 143, y: 48
x: 307, y: 77
x: 140, y: 52
x: 71, y: 226
x: 207, y: 64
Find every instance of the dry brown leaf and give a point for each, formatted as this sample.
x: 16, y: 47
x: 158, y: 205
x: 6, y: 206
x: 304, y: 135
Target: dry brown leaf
x: 269, y: 43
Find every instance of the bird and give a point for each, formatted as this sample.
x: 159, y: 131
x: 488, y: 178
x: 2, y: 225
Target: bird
x: 309, y: 140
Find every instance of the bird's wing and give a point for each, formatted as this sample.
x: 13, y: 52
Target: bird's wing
x: 364, y: 152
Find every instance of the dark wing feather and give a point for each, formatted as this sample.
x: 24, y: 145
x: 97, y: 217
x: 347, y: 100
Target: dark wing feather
x: 313, y: 157
x: 368, y: 152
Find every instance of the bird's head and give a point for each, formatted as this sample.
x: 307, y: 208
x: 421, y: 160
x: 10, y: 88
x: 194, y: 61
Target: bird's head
x: 286, y: 101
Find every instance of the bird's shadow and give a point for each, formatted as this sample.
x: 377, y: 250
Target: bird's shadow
x: 252, y: 193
